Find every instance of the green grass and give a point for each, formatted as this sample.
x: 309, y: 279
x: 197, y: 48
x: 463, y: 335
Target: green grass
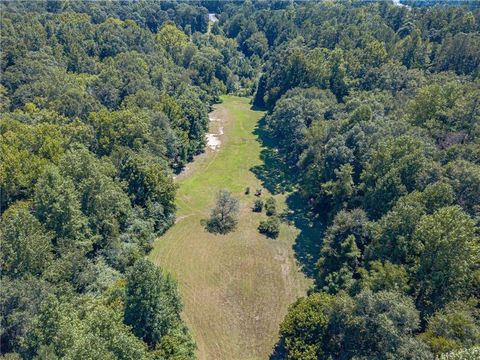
x: 236, y: 288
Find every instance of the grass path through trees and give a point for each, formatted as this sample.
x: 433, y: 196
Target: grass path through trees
x: 236, y: 288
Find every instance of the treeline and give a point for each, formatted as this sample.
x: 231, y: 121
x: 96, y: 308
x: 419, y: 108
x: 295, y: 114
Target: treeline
x: 101, y: 103
x: 420, y: 3
x: 375, y: 108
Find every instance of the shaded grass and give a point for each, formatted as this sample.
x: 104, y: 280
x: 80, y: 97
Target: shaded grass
x: 280, y: 178
x: 236, y: 287
x: 309, y: 240
x: 273, y: 172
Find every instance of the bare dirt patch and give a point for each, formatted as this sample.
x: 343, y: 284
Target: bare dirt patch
x: 214, y: 138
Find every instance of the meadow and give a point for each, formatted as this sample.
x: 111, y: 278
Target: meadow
x: 236, y: 288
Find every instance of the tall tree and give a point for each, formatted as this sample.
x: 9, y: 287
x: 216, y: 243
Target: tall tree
x: 448, y: 259
x: 152, y: 304
x: 26, y: 245
x: 57, y: 206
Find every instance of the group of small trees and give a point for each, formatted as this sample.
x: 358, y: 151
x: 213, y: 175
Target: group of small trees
x: 224, y: 216
x: 271, y: 226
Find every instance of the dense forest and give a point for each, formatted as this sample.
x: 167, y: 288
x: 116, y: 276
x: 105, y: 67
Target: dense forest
x: 373, y: 107
x: 101, y: 103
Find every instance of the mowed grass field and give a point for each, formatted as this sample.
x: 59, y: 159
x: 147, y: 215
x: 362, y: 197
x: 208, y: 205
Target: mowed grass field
x: 236, y: 288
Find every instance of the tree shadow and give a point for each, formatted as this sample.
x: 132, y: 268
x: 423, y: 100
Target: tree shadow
x: 277, y: 176
x: 274, y: 173
x: 308, y: 242
x: 306, y: 247
x: 278, y: 352
x: 254, y: 107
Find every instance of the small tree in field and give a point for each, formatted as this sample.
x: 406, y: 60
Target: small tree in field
x: 224, y: 216
x: 271, y: 206
x: 258, y: 205
x: 270, y: 227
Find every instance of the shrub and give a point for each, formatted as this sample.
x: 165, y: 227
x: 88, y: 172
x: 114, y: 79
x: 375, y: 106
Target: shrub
x: 270, y: 227
x: 271, y: 206
x: 258, y: 205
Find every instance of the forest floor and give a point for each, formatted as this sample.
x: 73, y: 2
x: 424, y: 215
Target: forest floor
x: 236, y: 288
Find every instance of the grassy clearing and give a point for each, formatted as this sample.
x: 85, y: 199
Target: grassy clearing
x: 236, y: 288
